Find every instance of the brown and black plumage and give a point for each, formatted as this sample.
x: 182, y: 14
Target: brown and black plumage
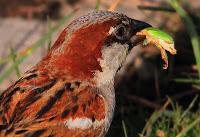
x: 70, y: 91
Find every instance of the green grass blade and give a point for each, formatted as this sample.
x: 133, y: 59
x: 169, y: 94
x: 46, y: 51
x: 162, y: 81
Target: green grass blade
x: 165, y: 9
x: 7, y: 72
x: 5, y: 60
x: 187, y: 80
x: 124, y: 128
x: 49, y: 28
x: 187, y: 110
x: 172, y: 104
x: 14, y: 60
x: 188, y: 128
x: 35, y: 46
x: 97, y: 5
x: 191, y: 30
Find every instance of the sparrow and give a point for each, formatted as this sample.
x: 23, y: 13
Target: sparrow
x: 70, y: 92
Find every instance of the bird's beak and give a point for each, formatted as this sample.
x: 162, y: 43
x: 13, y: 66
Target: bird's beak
x: 137, y: 26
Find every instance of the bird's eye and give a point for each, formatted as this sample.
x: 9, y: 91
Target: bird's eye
x: 120, y: 32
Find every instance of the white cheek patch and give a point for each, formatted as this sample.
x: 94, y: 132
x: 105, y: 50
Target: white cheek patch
x: 113, y: 57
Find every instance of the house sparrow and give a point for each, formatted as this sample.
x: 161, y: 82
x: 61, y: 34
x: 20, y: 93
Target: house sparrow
x: 70, y: 92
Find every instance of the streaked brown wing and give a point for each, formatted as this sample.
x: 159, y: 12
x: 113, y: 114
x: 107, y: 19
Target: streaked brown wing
x: 37, y: 105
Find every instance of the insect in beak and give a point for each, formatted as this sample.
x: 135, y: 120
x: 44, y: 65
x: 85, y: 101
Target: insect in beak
x: 162, y: 40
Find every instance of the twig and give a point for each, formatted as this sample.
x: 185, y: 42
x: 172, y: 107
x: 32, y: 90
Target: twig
x: 180, y: 95
x: 141, y: 100
x: 156, y: 81
x: 156, y: 8
x: 196, y: 87
x: 113, y: 6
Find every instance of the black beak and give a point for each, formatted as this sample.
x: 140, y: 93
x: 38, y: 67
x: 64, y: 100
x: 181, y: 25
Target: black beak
x: 137, y: 26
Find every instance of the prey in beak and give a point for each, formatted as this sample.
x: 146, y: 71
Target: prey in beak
x: 161, y: 39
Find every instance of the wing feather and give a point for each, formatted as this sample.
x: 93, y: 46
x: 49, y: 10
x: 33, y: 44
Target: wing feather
x: 37, y: 105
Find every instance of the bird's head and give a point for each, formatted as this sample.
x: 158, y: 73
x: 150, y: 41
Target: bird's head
x: 93, y: 47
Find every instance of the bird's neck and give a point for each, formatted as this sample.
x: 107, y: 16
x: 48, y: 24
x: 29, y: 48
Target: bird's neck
x: 105, y: 86
x: 108, y: 94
